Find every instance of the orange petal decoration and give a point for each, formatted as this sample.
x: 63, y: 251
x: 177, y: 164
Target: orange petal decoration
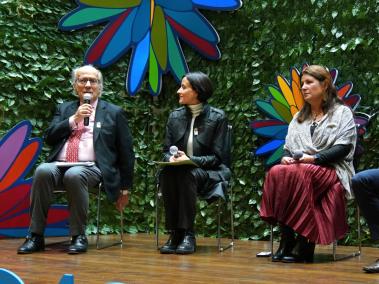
x: 19, y: 166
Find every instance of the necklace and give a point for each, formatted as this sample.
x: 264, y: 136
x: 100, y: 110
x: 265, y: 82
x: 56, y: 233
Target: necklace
x: 317, y: 116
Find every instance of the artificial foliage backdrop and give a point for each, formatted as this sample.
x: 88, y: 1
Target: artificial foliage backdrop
x: 258, y: 41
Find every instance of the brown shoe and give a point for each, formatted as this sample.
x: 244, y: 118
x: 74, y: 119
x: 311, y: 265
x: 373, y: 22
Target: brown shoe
x: 372, y: 268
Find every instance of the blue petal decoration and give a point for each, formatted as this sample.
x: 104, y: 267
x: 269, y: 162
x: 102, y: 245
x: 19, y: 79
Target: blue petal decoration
x: 269, y: 147
x: 178, y: 5
x: 120, y: 42
x: 196, y: 23
x: 278, y: 132
x: 8, y: 277
x: 218, y: 4
x: 141, y: 24
x: 138, y: 65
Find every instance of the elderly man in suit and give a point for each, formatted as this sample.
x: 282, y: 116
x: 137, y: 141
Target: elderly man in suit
x: 366, y: 190
x: 85, y: 130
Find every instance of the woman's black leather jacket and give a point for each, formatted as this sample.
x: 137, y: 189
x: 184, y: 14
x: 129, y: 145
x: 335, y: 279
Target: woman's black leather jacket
x: 211, y: 148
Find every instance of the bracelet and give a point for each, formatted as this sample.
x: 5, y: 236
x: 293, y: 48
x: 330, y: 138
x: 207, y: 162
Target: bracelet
x: 124, y: 192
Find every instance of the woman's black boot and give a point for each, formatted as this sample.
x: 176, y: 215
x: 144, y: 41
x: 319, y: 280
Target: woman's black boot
x: 287, y: 242
x: 188, y: 245
x: 176, y: 237
x: 302, y: 252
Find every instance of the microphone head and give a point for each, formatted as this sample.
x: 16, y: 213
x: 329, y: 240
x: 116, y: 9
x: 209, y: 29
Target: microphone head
x: 173, y: 150
x: 87, y: 97
x: 297, y: 154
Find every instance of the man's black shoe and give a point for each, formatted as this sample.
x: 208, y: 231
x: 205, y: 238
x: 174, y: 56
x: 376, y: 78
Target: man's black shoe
x: 79, y: 244
x: 32, y: 244
x: 372, y: 268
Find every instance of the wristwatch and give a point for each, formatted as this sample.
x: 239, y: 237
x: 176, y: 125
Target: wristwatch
x: 124, y: 192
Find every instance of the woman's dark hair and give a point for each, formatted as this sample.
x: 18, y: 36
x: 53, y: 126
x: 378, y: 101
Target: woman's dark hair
x: 201, y: 84
x: 330, y: 98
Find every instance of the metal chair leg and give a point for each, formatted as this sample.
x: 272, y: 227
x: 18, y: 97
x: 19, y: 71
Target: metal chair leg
x: 98, y: 219
x: 272, y: 239
x: 158, y: 196
x: 122, y: 228
x: 120, y: 242
x: 271, y: 251
x: 231, y: 242
x: 218, y: 225
x: 355, y: 253
x: 359, y: 230
x: 231, y: 215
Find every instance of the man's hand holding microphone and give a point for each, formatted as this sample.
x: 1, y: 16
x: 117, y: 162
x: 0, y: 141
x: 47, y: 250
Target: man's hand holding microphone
x: 84, y: 111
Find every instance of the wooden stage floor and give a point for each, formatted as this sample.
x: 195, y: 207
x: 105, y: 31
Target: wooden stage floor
x: 138, y: 261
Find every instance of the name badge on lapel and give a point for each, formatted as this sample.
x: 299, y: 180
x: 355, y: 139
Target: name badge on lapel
x: 98, y: 124
x: 195, y: 132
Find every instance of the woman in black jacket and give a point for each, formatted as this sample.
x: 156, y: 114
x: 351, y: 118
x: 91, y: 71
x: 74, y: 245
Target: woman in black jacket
x: 199, y: 131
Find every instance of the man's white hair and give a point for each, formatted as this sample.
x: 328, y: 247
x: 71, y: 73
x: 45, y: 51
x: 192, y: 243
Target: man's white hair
x: 74, y: 75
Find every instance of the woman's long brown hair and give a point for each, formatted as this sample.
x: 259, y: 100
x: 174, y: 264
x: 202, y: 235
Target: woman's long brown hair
x: 330, y: 99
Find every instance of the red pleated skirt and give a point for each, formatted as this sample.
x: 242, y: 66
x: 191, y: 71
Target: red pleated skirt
x: 308, y: 198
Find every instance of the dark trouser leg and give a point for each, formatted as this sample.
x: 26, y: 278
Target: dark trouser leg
x: 76, y: 181
x: 179, y: 189
x: 168, y: 181
x: 46, y: 179
x: 191, y: 181
x: 366, y: 190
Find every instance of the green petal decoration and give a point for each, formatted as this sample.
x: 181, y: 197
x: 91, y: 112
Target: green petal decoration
x: 158, y: 37
x: 112, y: 3
x: 277, y: 95
x: 153, y: 71
x: 276, y: 156
x: 269, y: 109
x: 86, y: 15
x: 284, y: 111
x: 175, y: 55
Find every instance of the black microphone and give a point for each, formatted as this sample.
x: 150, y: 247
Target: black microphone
x: 174, y: 151
x: 86, y: 100
x: 297, y: 154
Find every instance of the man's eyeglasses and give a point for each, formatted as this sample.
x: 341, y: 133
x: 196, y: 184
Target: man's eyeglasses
x: 83, y: 81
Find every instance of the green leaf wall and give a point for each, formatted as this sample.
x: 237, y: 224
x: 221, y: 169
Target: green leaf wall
x: 258, y: 41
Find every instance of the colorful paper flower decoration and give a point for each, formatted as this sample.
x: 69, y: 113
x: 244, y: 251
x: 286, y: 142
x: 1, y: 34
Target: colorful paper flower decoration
x: 286, y: 100
x: 18, y: 154
x: 152, y: 28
